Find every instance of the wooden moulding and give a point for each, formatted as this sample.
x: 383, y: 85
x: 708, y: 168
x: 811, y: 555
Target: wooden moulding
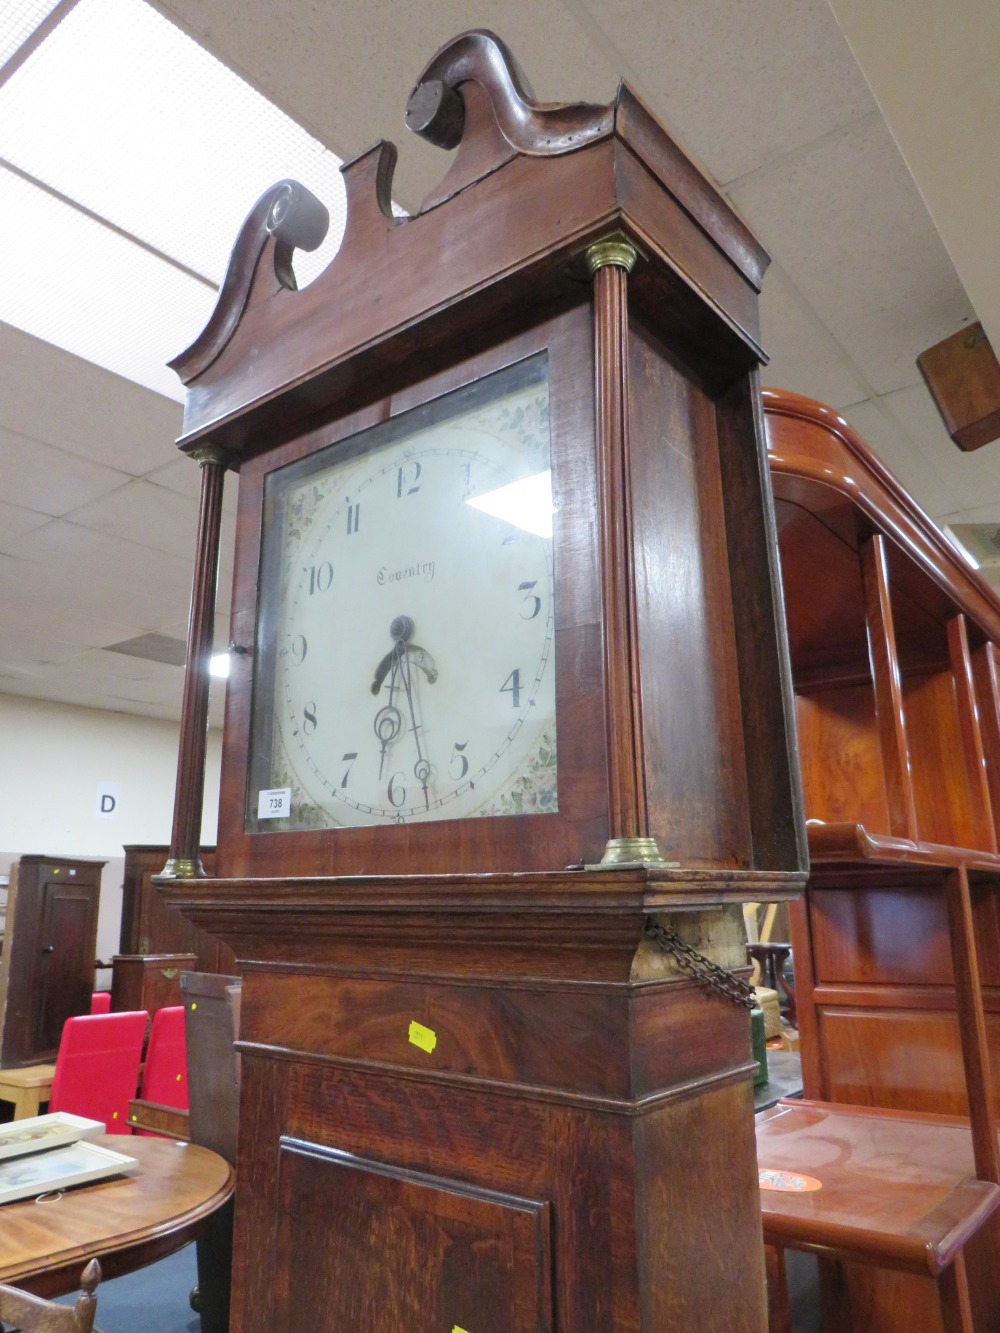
x: 570, y: 175
x: 812, y: 445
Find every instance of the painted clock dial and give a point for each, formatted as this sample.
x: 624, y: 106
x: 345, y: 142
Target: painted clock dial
x: 405, y: 629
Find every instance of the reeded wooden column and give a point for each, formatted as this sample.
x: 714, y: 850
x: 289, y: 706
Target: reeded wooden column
x: 610, y: 262
x: 189, y: 793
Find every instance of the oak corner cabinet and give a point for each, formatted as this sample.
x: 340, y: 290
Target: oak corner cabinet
x: 509, y: 729
x: 896, y: 673
x: 49, y: 952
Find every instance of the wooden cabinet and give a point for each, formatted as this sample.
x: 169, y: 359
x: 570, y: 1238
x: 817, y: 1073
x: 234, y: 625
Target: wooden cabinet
x: 151, y: 926
x: 894, y: 649
x: 49, y: 951
x: 148, y: 981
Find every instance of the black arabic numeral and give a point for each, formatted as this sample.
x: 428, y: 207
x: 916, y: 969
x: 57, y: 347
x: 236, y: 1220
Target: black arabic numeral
x: 512, y: 686
x: 397, y: 794
x: 353, y: 517
x: 407, y: 479
x: 299, y: 648
x: 532, y: 600
x: 348, y: 759
x: 320, y: 577
x: 458, y: 754
x: 309, y: 722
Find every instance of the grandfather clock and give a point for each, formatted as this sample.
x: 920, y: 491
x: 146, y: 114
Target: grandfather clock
x: 507, y: 734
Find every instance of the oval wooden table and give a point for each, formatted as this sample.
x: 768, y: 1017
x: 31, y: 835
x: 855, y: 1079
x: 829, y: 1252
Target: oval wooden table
x: 125, y: 1222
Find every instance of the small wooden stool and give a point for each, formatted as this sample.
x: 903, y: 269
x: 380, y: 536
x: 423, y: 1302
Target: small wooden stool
x: 894, y: 1189
x: 27, y: 1088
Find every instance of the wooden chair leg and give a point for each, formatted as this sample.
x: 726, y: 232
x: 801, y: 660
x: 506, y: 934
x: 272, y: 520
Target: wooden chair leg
x: 953, y: 1293
x: 779, y: 1318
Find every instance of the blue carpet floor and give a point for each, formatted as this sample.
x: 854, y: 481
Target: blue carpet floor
x: 151, y: 1300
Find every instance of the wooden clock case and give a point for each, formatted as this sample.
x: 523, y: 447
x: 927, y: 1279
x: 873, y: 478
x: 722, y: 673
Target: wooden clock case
x: 476, y: 1094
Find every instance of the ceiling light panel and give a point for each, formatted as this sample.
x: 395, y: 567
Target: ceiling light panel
x: 122, y: 112
x: 18, y: 20
x: 87, y: 290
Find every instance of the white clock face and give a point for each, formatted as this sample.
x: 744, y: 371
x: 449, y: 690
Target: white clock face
x: 405, y: 639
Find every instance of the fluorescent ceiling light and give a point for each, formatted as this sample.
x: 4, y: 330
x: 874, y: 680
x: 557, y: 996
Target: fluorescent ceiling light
x: 120, y: 307
x: 18, y: 20
x: 525, y: 504
x: 164, y: 151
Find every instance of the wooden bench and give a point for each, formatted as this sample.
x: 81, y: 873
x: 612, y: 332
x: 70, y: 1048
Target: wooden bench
x: 892, y: 1189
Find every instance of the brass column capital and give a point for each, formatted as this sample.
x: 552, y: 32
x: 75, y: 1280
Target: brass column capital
x: 615, y: 249
x: 210, y: 453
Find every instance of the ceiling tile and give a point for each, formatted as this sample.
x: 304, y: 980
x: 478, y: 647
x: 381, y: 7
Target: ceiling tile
x: 183, y: 475
x: 893, y: 446
x: 854, y: 237
x: 804, y: 356
x: 48, y: 480
x: 983, y: 514
x: 59, y: 398
x: 151, y: 516
x: 380, y: 49
x: 15, y: 522
x: 972, y: 477
x: 739, y: 84
x: 25, y: 615
x: 73, y: 569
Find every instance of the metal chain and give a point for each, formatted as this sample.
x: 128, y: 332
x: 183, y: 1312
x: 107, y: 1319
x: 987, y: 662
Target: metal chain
x: 700, y: 968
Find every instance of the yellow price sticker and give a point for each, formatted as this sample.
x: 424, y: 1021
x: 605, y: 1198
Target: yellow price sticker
x: 456, y: 1329
x: 425, y: 1039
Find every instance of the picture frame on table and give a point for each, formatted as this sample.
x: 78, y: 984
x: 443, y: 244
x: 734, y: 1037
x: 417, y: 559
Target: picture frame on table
x: 78, y: 1163
x: 39, y: 1133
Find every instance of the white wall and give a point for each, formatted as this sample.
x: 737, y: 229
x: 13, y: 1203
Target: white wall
x: 57, y: 760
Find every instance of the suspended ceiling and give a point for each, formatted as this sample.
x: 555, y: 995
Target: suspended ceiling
x: 858, y: 140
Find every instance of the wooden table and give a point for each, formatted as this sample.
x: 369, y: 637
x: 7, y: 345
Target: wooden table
x: 125, y: 1222
x: 892, y: 1189
x: 27, y: 1088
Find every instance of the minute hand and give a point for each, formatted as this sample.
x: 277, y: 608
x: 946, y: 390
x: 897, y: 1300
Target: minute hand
x: 421, y: 769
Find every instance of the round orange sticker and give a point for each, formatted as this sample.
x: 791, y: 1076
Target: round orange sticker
x: 789, y: 1181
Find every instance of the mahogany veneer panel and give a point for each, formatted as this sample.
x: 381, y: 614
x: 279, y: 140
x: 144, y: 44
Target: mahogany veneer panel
x: 824, y: 597
x: 699, y: 806
x: 842, y: 774
x: 410, y: 1250
x: 902, y: 1058
x: 940, y: 776
x: 575, y: 1040
x: 600, y: 1173
x: 894, y: 936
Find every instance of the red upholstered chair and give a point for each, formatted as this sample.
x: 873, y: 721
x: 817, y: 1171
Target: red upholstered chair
x: 164, y: 1078
x: 100, y: 1002
x: 97, y: 1068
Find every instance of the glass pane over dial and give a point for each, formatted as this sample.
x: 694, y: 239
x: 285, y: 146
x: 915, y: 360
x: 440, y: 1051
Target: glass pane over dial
x: 405, y: 655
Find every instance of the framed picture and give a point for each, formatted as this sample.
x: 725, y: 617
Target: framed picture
x: 40, y: 1132
x: 42, y: 1172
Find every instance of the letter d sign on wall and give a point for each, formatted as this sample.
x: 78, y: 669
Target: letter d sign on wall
x: 107, y: 801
